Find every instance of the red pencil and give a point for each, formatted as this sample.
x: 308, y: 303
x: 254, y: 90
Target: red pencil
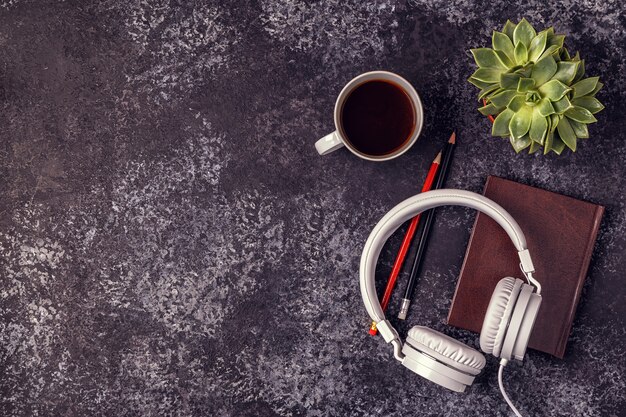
x: 406, y: 243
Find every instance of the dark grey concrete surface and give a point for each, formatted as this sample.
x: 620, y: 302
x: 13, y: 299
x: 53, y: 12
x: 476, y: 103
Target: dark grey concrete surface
x: 171, y: 244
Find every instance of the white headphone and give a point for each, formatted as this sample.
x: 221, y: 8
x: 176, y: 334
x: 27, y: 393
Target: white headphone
x: 509, y: 319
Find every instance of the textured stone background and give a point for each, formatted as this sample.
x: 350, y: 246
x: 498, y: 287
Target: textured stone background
x: 172, y: 245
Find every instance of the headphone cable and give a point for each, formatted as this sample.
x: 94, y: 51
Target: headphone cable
x: 503, y: 363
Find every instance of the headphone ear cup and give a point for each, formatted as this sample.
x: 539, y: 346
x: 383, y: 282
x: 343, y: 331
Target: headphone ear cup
x: 441, y: 359
x: 521, y: 324
x: 498, y: 315
x: 446, y: 349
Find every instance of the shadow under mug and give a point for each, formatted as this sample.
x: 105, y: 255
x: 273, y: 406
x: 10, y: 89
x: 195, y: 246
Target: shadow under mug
x: 337, y: 139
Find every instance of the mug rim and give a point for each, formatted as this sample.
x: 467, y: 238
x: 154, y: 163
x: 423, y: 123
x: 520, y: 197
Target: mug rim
x: 408, y: 89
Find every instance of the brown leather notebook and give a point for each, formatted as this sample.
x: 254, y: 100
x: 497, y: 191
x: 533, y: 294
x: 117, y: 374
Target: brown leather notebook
x: 560, y: 231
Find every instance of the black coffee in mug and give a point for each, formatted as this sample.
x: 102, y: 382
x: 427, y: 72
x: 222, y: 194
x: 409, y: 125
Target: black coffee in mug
x: 377, y: 117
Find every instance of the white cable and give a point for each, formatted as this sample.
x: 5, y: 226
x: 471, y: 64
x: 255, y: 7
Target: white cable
x: 506, y: 397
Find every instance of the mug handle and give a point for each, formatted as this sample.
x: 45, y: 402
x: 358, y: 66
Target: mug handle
x: 328, y: 143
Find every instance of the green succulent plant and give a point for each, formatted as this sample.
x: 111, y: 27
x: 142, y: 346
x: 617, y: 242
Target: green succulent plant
x: 535, y: 89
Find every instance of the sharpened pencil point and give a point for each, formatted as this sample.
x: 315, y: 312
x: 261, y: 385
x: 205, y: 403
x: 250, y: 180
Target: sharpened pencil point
x: 437, y: 159
x: 452, y: 139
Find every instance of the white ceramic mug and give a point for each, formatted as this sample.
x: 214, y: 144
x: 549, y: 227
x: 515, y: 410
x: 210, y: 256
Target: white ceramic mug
x: 337, y: 139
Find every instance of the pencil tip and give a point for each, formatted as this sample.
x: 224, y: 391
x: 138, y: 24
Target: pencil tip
x: 437, y: 159
x: 452, y: 138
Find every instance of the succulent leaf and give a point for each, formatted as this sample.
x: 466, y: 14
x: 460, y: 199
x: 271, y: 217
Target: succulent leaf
x: 488, y: 75
x: 535, y: 89
x: 537, y: 46
x: 525, y: 84
x: 580, y: 114
x: 557, y: 145
x: 538, y: 127
x: 509, y: 80
x: 523, y: 33
x: 521, y: 53
x: 560, y: 106
x: 503, y: 43
x: 508, y: 61
x: 580, y: 71
x: 554, y: 121
x: 502, y: 99
x: 489, y: 109
x: 584, y: 87
x: 519, y: 144
x: 549, y: 51
x: 545, y: 107
x: 547, y: 143
x: 554, y: 90
x: 501, y: 123
x: 566, y: 133
x: 487, y: 90
x: 487, y: 58
x: 478, y: 83
x: 590, y: 103
x: 508, y: 29
x: 517, y: 103
x: 534, y: 147
x: 566, y: 71
x: 595, y: 90
x: 555, y: 40
x: 549, y: 31
x: 543, y: 70
x: 524, y: 70
x: 520, y: 122
x: 580, y: 129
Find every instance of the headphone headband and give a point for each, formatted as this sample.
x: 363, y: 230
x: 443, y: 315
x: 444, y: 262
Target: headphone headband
x: 415, y: 205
